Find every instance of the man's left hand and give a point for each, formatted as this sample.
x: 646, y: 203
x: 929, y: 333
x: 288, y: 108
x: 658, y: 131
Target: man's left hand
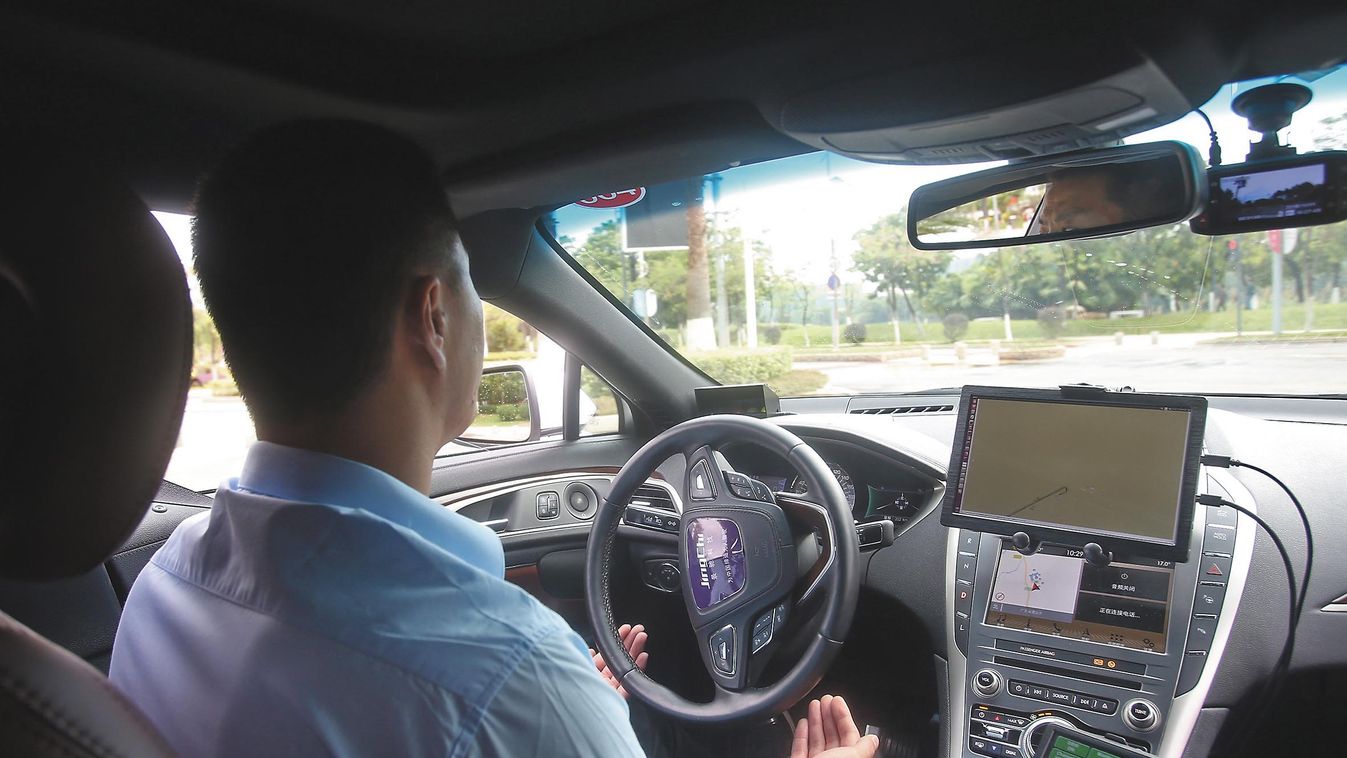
x: 633, y: 639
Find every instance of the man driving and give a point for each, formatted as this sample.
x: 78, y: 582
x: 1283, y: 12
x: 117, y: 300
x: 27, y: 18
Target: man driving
x: 1096, y: 197
x: 326, y: 605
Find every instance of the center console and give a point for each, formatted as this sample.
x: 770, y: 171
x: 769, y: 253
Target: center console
x: 1049, y: 638
x: 1047, y: 633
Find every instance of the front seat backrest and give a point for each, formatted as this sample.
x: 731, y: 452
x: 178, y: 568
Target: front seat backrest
x: 95, y: 356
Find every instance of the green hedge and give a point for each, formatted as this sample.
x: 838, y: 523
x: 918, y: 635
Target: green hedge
x: 513, y: 356
x: 512, y: 412
x: 743, y: 368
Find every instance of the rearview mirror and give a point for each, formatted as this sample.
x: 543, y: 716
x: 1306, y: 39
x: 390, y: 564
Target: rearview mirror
x: 507, y: 407
x: 1086, y: 193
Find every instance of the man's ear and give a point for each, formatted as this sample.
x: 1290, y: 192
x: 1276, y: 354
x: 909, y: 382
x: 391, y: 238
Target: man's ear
x: 430, y: 319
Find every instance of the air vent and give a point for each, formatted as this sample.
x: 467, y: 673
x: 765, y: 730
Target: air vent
x: 650, y: 496
x: 905, y: 410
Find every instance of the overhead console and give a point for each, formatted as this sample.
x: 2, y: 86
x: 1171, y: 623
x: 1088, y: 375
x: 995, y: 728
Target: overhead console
x: 866, y: 118
x: 1088, y: 593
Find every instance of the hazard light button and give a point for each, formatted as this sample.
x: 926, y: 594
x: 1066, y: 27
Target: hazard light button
x: 1215, y: 567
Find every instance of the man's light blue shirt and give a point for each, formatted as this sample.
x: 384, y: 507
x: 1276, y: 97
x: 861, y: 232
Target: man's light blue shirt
x: 323, y: 607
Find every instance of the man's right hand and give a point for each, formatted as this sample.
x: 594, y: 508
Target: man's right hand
x: 830, y: 732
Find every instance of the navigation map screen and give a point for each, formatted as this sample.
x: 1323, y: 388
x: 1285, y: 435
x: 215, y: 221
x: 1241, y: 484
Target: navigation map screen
x: 1056, y: 592
x: 1097, y: 468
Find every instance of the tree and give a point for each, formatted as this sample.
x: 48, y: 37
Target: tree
x: 602, y: 256
x: 897, y: 269
x: 700, y: 331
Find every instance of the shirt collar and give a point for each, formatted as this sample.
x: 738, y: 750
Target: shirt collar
x: 290, y: 473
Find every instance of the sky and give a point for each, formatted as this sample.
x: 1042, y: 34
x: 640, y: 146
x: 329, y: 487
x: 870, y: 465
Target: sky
x: 1259, y: 186
x: 804, y: 207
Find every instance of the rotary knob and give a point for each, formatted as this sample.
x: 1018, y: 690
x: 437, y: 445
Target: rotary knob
x: 1141, y: 715
x: 986, y: 683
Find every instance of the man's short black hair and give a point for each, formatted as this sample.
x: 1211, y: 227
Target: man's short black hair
x: 1141, y: 189
x: 1145, y: 189
x: 306, y: 238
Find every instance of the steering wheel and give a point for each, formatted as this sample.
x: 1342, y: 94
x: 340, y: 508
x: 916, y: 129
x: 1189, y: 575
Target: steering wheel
x: 739, y: 569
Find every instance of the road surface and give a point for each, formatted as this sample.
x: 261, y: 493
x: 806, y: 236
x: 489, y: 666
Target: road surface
x: 1178, y: 363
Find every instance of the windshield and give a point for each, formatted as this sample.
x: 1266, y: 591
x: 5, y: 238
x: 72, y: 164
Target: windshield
x: 798, y: 273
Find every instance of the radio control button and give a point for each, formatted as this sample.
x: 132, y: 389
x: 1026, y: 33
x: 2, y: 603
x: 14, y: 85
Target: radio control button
x: 1141, y: 715
x: 986, y: 683
x: 1061, y: 696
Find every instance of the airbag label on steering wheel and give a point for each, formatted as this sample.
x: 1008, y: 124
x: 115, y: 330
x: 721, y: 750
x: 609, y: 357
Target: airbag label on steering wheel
x: 716, y: 566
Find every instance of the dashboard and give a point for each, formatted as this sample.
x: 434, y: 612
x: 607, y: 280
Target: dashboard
x: 878, y: 487
x: 1155, y: 655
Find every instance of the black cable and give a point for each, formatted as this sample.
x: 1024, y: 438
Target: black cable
x: 1223, y: 461
x: 1213, y: 152
x: 1283, y: 663
x: 1270, y: 692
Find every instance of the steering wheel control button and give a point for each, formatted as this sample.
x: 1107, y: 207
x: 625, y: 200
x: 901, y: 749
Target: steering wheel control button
x: 760, y: 491
x: 780, y: 612
x: 986, y: 683
x: 549, y: 505
x: 699, y: 483
x: 722, y: 651
x: 1140, y: 715
x: 762, y: 632
x: 740, y: 485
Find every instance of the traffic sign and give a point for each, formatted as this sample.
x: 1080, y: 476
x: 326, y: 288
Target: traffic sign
x: 609, y: 200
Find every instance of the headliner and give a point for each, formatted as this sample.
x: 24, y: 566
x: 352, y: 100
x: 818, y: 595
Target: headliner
x: 536, y: 102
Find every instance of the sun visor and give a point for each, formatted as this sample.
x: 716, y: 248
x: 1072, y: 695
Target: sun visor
x: 868, y: 120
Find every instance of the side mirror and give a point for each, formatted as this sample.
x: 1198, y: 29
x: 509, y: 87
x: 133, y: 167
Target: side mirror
x: 507, y: 408
x: 1086, y: 193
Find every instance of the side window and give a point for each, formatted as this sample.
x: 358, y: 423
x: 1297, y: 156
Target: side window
x: 599, y: 413
x: 523, y: 392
